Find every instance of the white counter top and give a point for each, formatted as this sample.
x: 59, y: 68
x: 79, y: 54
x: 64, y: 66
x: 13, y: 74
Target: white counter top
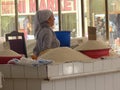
x: 79, y: 69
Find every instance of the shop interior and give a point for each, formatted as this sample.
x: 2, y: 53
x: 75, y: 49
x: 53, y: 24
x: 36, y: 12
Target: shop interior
x: 89, y: 54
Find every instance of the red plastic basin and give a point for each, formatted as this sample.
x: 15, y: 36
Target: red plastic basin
x: 96, y: 53
x: 5, y: 59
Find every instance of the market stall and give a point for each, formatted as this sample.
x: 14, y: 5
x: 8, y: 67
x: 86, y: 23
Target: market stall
x: 69, y: 70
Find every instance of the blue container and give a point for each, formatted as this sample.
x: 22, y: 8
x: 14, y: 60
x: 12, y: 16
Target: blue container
x: 63, y: 37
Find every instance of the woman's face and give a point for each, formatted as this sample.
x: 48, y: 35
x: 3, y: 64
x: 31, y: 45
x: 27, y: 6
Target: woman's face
x: 51, y: 21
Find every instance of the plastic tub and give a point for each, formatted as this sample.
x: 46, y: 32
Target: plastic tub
x: 63, y: 37
x: 96, y: 53
x: 5, y: 59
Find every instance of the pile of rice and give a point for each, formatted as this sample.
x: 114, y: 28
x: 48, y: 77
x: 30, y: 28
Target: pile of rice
x: 77, y: 41
x: 65, y: 54
x: 8, y: 53
x: 92, y: 45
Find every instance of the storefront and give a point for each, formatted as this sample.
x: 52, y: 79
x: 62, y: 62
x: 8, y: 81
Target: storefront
x: 27, y: 9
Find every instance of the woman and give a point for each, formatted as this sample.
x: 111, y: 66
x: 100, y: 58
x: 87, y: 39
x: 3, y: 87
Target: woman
x: 44, y: 35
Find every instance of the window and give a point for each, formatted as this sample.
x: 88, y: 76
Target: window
x: 114, y: 24
x: 7, y: 18
x: 27, y: 8
x: 26, y: 11
x: 94, y: 15
x: 71, y: 17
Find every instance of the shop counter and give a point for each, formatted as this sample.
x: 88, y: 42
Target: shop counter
x: 97, y: 75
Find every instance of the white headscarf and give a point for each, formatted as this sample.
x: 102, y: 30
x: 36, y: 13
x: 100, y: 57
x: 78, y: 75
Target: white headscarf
x: 41, y: 16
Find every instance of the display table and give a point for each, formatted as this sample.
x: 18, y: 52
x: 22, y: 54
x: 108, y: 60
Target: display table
x: 98, y: 75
